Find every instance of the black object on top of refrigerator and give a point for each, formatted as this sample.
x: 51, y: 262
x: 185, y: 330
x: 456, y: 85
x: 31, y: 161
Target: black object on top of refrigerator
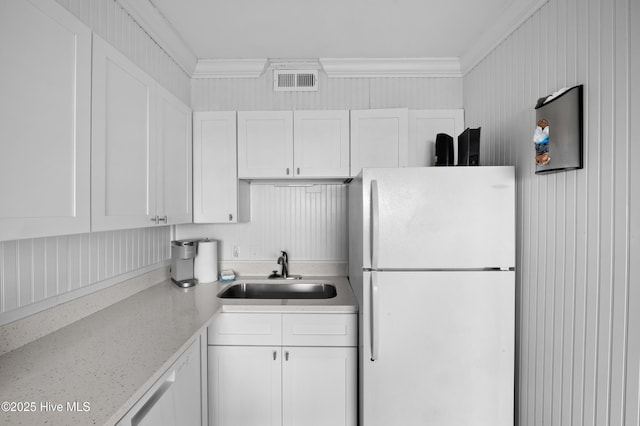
x: 469, y: 147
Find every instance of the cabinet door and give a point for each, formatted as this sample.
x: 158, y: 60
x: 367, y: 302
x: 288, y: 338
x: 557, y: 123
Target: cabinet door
x: 245, y: 386
x: 424, y: 125
x: 265, y: 144
x: 215, y: 178
x: 123, y: 142
x: 321, y: 143
x: 379, y: 138
x: 45, y: 100
x: 319, y: 386
x: 174, y: 159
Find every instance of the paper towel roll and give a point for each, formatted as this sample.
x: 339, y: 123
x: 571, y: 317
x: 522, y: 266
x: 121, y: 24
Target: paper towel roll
x: 205, y: 266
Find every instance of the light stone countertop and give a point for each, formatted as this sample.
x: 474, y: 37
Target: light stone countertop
x: 110, y: 358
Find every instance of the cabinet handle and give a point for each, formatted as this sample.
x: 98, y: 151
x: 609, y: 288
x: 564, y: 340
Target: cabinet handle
x: 275, y: 355
x: 298, y: 171
x: 162, y: 219
x: 286, y: 356
x: 155, y: 219
x: 230, y: 217
x: 287, y: 171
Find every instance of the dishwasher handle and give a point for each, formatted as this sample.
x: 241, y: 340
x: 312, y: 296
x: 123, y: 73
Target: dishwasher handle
x: 153, y: 400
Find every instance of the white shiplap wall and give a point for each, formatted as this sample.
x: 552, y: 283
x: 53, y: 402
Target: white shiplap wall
x: 578, y: 301
x: 333, y: 93
x: 39, y: 273
x: 309, y: 222
x: 36, y: 274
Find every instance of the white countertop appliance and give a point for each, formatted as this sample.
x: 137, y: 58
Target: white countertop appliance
x: 431, y: 261
x: 183, y: 254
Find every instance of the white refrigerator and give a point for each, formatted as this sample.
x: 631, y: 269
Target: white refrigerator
x: 432, y: 263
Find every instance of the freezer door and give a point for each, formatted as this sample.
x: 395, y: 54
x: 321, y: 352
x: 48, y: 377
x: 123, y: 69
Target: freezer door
x: 439, y: 217
x: 442, y: 346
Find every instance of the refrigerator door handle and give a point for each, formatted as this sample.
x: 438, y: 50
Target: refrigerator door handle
x: 375, y: 329
x: 375, y: 223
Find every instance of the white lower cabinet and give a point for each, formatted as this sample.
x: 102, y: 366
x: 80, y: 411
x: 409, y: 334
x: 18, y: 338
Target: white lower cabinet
x: 175, y: 399
x: 245, y: 385
x: 271, y: 383
x: 319, y: 386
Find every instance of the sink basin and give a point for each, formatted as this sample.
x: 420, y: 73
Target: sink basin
x: 279, y: 291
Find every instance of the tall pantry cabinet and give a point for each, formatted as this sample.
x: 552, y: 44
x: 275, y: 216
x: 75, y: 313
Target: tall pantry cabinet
x: 45, y: 104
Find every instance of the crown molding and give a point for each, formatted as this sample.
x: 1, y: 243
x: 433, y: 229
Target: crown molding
x: 147, y: 15
x: 516, y: 14
x: 391, y: 67
x: 230, y: 68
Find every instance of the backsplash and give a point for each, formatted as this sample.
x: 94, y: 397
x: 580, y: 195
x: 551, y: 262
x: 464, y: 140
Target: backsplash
x: 39, y: 273
x: 310, y: 222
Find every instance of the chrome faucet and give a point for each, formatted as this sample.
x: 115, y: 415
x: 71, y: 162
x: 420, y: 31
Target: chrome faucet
x: 283, y: 261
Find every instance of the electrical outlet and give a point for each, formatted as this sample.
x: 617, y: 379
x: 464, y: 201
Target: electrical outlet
x: 235, y: 252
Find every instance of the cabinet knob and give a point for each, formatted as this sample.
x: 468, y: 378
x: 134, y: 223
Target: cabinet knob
x: 230, y: 217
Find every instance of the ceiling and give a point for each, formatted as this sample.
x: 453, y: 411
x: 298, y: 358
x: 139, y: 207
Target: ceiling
x: 301, y: 29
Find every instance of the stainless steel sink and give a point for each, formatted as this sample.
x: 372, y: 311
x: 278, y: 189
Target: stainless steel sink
x: 279, y: 291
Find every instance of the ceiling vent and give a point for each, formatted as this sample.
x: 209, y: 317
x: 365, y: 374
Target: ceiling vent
x: 295, y: 80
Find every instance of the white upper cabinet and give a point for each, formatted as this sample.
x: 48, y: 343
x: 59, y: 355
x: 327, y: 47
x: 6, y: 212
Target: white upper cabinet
x: 141, y: 147
x: 174, y: 159
x: 321, y: 143
x: 379, y: 138
x: 218, y: 196
x: 265, y: 144
x: 293, y: 144
x: 124, y: 149
x: 424, y: 125
x: 45, y: 104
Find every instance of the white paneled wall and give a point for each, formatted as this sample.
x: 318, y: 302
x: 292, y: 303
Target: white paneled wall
x: 578, y: 295
x: 333, y: 93
x: 309, y: 222
x: 39, y: 273
x: 111, y: 22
